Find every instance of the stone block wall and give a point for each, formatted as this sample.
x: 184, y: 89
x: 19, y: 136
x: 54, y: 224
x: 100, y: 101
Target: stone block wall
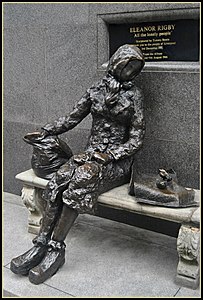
x: 53, y: 52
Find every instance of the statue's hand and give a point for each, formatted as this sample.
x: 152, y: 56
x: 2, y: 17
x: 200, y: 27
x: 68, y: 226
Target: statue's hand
x: 81, y: 158
x: 36, y: 136
x: 44, y: 133
x: 102, y: 158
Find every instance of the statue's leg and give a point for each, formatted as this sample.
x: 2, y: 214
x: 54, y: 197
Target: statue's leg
x: 78, y: 198
x: 52, y: 194
x: 23, y: 263
x: 55, y: 255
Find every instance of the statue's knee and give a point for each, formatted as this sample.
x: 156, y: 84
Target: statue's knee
x: 86, y: 174
x: 64, y: 173
x: 84, y: 181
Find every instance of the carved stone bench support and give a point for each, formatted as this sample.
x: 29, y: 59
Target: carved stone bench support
x: 188, y: 247
x: 32, y: 199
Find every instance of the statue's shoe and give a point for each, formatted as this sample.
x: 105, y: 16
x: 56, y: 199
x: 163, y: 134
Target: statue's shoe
x: 23, y: 263
x: 50, y: 264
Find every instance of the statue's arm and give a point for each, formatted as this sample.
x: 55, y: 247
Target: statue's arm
x: 136, y: 131
x: 63, y: 124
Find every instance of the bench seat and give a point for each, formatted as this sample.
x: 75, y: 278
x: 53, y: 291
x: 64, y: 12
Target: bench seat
x: 188, y: 241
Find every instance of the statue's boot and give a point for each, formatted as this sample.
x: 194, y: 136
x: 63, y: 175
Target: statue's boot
x: 31, y: 258
x: 49, y: 265
x: 55, y: 254
x: 23, y: 263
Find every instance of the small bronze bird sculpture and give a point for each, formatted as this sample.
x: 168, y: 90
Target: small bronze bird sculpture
x: 165, y: 175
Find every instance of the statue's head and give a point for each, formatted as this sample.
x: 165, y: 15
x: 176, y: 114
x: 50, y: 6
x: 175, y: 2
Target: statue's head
x: 126, y: 63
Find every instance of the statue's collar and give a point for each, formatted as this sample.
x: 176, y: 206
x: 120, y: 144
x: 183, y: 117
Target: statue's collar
x: 110, y: 81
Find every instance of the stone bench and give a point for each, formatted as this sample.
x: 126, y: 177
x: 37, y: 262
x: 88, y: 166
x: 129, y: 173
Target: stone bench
x: 188, y: 241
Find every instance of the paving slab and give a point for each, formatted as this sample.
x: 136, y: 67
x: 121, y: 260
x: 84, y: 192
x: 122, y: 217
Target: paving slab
x: 20, y: 286
x: 188, y: 293
x: 15, y: 235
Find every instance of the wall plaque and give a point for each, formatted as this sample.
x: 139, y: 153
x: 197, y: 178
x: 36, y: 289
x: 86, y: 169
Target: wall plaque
x: 175, y: 40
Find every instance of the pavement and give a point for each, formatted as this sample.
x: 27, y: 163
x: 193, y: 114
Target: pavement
x: 104, y: 258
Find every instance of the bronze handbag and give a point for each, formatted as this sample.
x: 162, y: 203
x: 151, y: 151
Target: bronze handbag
x: 49, y: 154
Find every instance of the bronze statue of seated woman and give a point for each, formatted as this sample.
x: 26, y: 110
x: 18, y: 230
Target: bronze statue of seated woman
x: 118, y: 127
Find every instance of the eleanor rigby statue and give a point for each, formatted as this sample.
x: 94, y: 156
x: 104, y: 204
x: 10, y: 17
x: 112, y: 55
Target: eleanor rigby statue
x: 118, y: 127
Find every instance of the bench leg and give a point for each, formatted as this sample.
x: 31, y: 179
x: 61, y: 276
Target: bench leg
x: 188, y: 247
x: 32, y: 199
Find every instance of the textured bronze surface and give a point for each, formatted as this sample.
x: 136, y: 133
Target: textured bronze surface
x: 162, y: 190
x: 118, y: 127
x: 49, y: 153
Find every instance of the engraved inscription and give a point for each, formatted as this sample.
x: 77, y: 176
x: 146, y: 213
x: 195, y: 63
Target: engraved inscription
x: 176, y: 40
